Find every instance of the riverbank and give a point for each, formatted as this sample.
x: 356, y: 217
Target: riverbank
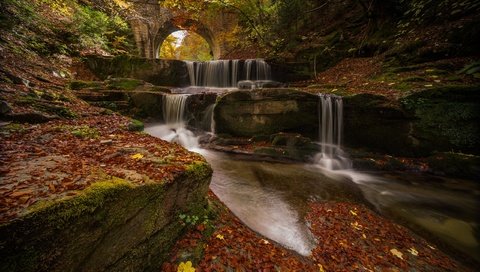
x: 350, y: 237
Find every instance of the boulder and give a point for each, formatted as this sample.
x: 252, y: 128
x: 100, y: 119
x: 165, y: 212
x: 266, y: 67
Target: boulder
x: 113, y: 225
x: 434, y: 120
x: 377, y: 124
x: 446, y: 118
x: 5, y: 108
x: 266, y: 111
x: 146, y: 104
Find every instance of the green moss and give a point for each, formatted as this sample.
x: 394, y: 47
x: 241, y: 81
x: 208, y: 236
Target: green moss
x: 85, y: 132
x: 414, y: 79
x: 61, y: 211
x: 198, y: 169
x: 455, y: 164
x: 447, y: 116
x: 65, y: 112
x: 135, y: 125
x: 80, y: 84
x: 13, y: 128
x: 402, y: 86
x: 127, y: 84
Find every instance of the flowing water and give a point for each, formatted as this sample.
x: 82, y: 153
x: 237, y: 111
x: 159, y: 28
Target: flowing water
x: 227, y: 73
x: 271, y: 198
x: 330, y: 125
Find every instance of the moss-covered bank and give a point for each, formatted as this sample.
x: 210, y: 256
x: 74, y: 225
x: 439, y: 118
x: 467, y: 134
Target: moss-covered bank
x: 113, y: 225
x: 155, y: 71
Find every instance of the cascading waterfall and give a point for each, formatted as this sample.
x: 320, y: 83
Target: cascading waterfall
x: 330, y: 116
x: 174, y: 108
x: 227, y: 73
x: 174, y: 129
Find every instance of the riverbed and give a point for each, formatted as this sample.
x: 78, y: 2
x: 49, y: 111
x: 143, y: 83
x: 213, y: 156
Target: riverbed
x: 271, y: 197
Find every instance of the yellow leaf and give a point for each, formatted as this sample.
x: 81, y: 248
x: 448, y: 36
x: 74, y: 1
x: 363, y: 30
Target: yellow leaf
x: 353, y: 213
x: 264, y: 241
x: 397, y: 253
x: 356, y: 225
x: 320, y: 268
x: 364, y: 236
x: 219, y: 236
x: 413, y: 251
x: 137, y: 156
x: 185, y: 267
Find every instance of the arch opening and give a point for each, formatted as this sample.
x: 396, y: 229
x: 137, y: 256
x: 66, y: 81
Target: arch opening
x: 192, y: 28
x: 185, y: 45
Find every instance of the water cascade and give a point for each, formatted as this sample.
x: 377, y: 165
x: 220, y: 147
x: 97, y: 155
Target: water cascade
x: 330, y: 116
x: 174, y: 129
x: 227, y: 73
x: 174, y: 108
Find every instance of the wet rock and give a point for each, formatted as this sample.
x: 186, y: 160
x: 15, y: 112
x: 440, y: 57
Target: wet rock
x: 266, y: 111
x: 256, y: 84
x: 455, y: 165
x: 377, y: 124
x: 446, y: 118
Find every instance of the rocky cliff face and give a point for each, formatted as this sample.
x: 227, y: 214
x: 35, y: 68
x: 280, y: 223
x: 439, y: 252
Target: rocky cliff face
x: 113, y: 225
x: 158, y: 72
x: 265, y: 112
x: 441, y: 119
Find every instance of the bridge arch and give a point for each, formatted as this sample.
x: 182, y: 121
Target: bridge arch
x: 176, y: 24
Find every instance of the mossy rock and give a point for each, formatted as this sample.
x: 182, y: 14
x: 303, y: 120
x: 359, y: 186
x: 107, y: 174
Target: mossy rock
x: 455, y: 165
x: 112, y: 225
x: 135, y: 125
x: 155, y: 71
x: 126, y: 84
x: 446, y: 118
x: 267, y: 111
x: 80, y: 84
x: 378, y: 124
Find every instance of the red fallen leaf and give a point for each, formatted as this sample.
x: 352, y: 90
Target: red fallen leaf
x: 23, y: 199
x: 52, y: 187
x: 21, y: 193
x: 201, y: 227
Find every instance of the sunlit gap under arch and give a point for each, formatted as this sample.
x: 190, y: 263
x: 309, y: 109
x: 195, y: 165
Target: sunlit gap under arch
x: 185, y: 45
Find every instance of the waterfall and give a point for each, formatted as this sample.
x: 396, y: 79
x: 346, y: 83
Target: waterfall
x: 226, y: 73
x: 330, y: 118
x: 174, y: 130
x: 174, y: 108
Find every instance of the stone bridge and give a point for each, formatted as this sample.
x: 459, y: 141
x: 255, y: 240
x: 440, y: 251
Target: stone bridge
x: 152, y: 23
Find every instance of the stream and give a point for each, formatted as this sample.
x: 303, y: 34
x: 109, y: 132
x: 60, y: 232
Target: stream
x: 271, y: 198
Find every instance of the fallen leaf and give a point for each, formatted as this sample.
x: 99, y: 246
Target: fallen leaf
x: 413, y: 251
x: 137, y: 156
x: 320, y: 268
x: 356, y: 225
x: 396, y: 253
x: 219, y: 236
x: 264, y: 241
x: 21, y: 193
x: 353, y: 213
x: 51, y: 186
x: 185, y: 267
